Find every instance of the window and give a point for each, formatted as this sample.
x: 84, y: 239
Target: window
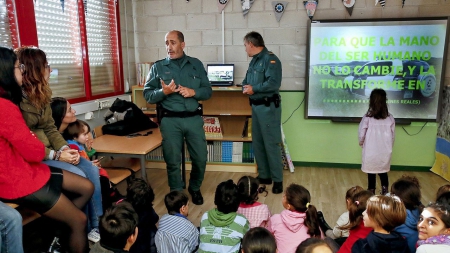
x: 7, y: 24
x: 82, y: 45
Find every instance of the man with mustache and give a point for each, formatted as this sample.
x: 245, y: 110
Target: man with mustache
x: 176, y: 83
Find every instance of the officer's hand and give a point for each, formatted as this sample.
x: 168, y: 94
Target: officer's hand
x: 186, y: 92
x: 170, y: 88
x: 248, y: 89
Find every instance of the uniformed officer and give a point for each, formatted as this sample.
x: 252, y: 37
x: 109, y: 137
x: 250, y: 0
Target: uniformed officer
x: 262, y: 83
x: 177, y: 83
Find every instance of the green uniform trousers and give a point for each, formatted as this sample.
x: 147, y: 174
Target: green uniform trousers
x: 266, y: 138
x: 175, y: 131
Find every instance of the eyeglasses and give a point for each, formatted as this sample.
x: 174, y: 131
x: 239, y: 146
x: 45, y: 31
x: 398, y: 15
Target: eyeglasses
x: 21, y: 67
x: 47, y: 66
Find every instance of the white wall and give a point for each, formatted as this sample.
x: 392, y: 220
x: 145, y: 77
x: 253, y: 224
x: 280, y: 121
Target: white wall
x: 201, y: 23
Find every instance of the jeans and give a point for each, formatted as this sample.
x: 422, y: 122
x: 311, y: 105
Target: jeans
x: 86, y: 169
x: 11, y: 230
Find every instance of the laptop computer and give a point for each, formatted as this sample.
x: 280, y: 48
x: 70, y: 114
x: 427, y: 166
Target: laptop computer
x: 220, y: 74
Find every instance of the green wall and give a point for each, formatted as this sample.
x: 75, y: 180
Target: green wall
x: 322, y: 141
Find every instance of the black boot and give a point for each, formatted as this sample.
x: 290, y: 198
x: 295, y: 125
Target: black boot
x: 277, y: 187
x: 322, y: 223
x: 264, y: 180
x: 384, y: 190
x: 372, y: 190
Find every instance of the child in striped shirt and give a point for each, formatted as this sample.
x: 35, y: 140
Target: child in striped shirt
x: 256, y: 213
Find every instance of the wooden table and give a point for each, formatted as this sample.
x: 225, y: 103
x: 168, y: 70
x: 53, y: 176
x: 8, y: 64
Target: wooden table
x: 123, y: 146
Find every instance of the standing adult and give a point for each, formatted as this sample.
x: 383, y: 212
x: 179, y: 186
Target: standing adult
x: 262, y: 83
x: 37, y: 112
x: 177, y: 83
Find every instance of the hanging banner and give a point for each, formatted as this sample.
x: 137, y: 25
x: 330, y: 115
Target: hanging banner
x: 310, y: 7
x: 349, y: 5
x: 221, y: 4
x: 278, y: 8
x: 382, y: 2
x: 246, y: 5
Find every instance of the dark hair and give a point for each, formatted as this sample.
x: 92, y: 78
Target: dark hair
x: 248, y: 189
x: 443, y: 211
x: 259, y: 240
x: 227, y: 197
x: 85, y: 124
x: 174, y: 200
x: 299, y: 197
x: 255, y: 38
x: 73, y: 130
x: 377, y: 105
x: 34, y: 83
x: 387, y: 212
x: 140, y: 194
x: 180, y: 35
x: 407, y: 188
x: 442, y: 189
x: 353, y: 191
x: 9, y: 88
x: 308, y: 245
x: 59, y: 110
x: 356, y: 208
x: 444, y: 198
x: 117, y: 224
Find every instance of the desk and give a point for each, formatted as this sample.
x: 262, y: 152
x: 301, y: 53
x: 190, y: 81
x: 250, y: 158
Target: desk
x: 122, y: 146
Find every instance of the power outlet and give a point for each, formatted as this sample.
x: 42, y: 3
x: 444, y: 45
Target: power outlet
x: 103, y: 104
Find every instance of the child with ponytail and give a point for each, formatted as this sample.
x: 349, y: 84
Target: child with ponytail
x: 297, y: 223
x: 356, y: 226
x: 256, y: 213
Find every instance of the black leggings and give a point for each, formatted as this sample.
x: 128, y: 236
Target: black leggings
x: 373, y: 180
x: 59, y: 207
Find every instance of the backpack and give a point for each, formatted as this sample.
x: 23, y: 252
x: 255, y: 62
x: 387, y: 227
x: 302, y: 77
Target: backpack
x: 124, y: 118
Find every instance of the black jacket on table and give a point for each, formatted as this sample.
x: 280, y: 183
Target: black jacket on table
x: 385, y: 243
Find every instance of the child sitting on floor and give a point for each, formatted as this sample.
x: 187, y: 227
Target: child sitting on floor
x: 337, y: 234
x: 141, y: 196
x: 297, y: 222
x: 175, y: 232
x: 118, y: 229
x: 221, y: 228
x: 257, y: 214
x: 356, y: 226
x: 434, y: 227
x: 383, y: 214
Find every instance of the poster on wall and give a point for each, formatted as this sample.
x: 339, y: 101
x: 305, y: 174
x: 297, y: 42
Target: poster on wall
x: 348, y: 59
x: 442, y: 163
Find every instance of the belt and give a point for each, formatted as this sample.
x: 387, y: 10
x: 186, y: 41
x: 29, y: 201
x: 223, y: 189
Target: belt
x: 185, y: 114
x: 266, y: 100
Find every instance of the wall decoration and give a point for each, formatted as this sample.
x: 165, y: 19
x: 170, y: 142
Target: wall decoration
x: 221, y: 4
x: 349, y: 5
x: 403, y: 3
x: 382, y: 2
x: 246, y: 5
x: 310, y: 7
x: 278, y: 8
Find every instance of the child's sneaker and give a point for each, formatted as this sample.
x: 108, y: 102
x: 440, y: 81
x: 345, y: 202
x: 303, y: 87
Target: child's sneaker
x: 94, y: 235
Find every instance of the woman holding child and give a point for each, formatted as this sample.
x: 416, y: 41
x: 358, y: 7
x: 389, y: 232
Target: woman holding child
x: 36, y: 110
x: 24, y: 179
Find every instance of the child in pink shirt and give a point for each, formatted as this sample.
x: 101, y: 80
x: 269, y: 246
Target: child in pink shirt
x: 297, y: 223
x: 256, y: 213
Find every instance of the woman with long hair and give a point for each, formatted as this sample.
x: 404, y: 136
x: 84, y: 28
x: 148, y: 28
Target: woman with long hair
x: 24, y: 179
x: 37, y: 112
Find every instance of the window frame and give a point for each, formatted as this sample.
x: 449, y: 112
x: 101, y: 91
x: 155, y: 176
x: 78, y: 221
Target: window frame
x: 27, y: 35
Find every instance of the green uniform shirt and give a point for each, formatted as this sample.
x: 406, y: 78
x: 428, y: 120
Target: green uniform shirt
x: 264, y: 74
x: 186, y: 71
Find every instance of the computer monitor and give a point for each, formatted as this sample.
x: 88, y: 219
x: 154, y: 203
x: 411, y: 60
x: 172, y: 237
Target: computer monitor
x: 220, y: 74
